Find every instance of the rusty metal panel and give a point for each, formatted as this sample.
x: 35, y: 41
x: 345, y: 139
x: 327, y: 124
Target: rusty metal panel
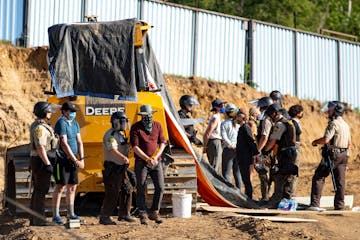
x: 111, y: 10
x: 350, y: 73
x: 220, y: 53
x: 317, y: 67
x: 171, y: 37
x: 44, y: 13
x: 11, y: 19
x: 273, y: 58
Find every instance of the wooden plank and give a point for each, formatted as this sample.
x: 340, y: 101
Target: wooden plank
x: 271, y: 211
x: 276, y: 219
x: 327, y: 201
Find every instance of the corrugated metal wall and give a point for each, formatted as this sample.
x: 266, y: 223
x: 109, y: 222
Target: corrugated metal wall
x: 11, y: 19
x: 111, y: 10
x: 317, y: 67
x: 273, y: 58
x: 350, y: 73
x: 220, y: 52
x: 171, y: 37
x: 45, y: 13
x: 188, y: 41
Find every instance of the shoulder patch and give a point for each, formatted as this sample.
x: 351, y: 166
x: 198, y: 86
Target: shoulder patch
x: 111, y: 140
x: 39, y: 132
x: 276, y: 128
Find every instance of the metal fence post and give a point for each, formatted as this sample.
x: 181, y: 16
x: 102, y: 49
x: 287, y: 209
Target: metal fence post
x: 193, y: 69
x: 296, y: 76
x: 141, y: 9
x: 338, y: 52
x: 249, y: 53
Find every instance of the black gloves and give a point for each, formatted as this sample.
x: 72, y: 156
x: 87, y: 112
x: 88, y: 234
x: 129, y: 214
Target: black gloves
x: 265, y: 153
x: 49, y: 169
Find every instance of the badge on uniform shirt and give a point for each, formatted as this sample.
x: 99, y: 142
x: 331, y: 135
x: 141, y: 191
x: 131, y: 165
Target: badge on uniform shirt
x: 111, y: 140
x: 38, y: 132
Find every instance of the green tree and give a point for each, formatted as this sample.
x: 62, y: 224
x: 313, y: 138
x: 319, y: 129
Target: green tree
x: 309, y: 15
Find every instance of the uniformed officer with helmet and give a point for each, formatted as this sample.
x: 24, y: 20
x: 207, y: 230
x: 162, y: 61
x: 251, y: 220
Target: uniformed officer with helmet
x: 283, y: 134
x: 186, y: 103
x: 116, y: 151
x: 336, y: 142
x: 284, y: 173
x: 262, y: 136
x: 43, y: 145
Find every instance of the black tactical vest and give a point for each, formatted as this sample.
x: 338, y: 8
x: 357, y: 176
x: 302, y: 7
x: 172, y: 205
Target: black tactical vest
x: 259, y: 130
x: 297, y: 130
x: 288, y: 139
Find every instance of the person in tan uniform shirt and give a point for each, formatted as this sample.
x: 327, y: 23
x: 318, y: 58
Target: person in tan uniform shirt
x: 116, y: 151
x: 43, y: 145
x: 264, y: 130
x: 336, y: 141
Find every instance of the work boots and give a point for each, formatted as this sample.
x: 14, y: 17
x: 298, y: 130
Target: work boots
x: 127, y: 218
x: 106, y: 221
x: 144, y: 219
x: 155, y: 216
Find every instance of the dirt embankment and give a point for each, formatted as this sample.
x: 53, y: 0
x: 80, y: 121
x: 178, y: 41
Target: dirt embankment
x: 23, y: 76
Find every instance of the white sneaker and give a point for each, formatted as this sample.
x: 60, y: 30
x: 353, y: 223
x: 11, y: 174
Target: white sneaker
x: 318, y: 209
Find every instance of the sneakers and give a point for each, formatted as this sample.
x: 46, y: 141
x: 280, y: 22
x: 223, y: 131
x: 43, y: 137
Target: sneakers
x: 144, y: 219
x: 106, y: 221
x: 318, y: 209
x: 155, y: 216
x: 74, y: 217
x: 126, y: 218
x: 57, y: 220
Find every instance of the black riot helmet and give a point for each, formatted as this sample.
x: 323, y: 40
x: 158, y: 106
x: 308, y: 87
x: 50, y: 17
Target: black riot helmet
x: 273, y: 108
x: 188, y: 100
x: 337, y: 106
x: 118, y: 120
x: 264, y: 102
x: 42, y: 108
x: 276, y: 97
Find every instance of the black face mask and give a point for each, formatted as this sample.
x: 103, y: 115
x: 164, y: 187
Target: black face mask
x: 147, y: 123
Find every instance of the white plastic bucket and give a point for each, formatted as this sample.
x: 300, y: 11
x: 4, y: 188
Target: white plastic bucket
x: 181, y: 205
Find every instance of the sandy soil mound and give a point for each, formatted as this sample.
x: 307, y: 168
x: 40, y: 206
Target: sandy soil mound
x: 23, y: 76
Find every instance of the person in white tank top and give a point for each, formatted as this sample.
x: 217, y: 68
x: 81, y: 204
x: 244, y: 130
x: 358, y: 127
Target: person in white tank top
x: 212, y: 136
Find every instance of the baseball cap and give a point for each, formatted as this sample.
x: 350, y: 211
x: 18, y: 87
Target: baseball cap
x: 69, y: 106
x: 216, y: 103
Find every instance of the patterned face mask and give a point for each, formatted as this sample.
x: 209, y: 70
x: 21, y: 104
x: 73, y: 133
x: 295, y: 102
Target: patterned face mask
x: 147, y: 123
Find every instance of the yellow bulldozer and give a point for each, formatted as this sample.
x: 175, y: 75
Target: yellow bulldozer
x: 103, y: 68
x: 94, y: 120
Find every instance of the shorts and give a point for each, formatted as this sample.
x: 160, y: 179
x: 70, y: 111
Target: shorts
x: 65, y: 172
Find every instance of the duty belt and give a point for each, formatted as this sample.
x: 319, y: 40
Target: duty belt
x: 337, y: 150
x: 291, y: 147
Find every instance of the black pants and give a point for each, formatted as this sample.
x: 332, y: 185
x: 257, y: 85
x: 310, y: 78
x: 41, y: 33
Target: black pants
x: 157, y: 176
x: 284, y: 179
x: 245, y: 175
x: 41, y: 184
x: 126, y: 196
x: 318, y: 180
x: 113, y: 176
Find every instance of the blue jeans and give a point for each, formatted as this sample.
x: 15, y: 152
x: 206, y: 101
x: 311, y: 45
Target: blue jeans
x: 229, y: 162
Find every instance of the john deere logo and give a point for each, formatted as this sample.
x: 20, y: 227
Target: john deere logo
x: 102, y: 106
x: 101, y: 111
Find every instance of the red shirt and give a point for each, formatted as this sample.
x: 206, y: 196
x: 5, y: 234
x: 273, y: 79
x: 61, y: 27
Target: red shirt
x: 148, y: 143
